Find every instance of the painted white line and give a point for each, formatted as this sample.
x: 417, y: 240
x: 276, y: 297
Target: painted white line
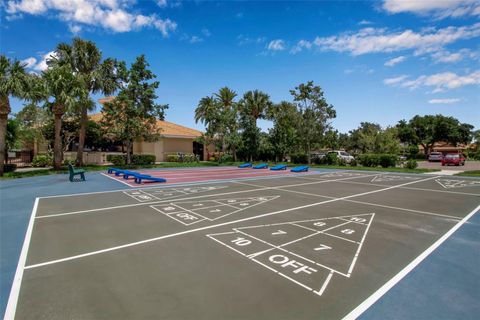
x: 118, y: 180
x: 355, y: 313
x: 259, y: 188
x: 324, y: 286
x: 17, y: 280
x: 374, y: 204
x: 360, y: 246
x: 213, y: 226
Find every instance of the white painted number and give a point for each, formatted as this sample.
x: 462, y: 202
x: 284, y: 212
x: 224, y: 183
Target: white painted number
x: 356, y: 219
x: 278, y: 233
x: 348, y: 231
x: 241, y: 242
x: 319, y: 224
x: 322, y: 247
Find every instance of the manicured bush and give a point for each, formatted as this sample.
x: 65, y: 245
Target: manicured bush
x: 410, y: 164
x: 42, y: 160
x: 66, y: 162
x: 226, y: 158
x: 172, y: 158
x: 332, y: 159
x: 387, y: 160
x: 9, y: 167
x: 299, y: 158
x: 117, y: 159
x: 369, y: 160
x: 141, y: 159
x: 353, y: 163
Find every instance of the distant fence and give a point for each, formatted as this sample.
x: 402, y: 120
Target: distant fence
x: 22, y: 158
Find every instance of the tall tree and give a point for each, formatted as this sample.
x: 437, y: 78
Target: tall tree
x: 252, y: 106
x: 133, y: 114
x: 208, y: 113
x: 315, y: 115
x: 94, y: 76
x: 13, y: 83
x: 61, y: 87
x: 283, y: 135
x: 429, y: 129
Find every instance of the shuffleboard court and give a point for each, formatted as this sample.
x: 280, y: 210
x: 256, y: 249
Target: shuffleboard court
x: 307, y: 246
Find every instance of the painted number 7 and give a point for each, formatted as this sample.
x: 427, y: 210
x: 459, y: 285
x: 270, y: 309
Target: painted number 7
x: 322, y: 247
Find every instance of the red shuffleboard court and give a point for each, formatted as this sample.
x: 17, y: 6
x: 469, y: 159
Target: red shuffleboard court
x: 192, y: 175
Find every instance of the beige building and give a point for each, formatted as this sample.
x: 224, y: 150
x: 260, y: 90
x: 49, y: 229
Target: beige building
x: 175, y: 139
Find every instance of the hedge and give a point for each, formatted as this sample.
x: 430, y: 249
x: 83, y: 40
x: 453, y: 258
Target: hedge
x: 9, y: 167
x: 136, y: 159
x: 299, y: 158
x: 375, y: 160
x: 187, y: 157
x: 42, y: 160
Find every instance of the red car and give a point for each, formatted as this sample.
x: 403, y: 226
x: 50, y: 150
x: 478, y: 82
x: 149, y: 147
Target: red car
x: 453, y: 158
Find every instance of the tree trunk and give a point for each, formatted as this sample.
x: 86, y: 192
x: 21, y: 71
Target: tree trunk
x: 129, y: 145
x: 4, y: 111
x: 57, y: 145
x: 81, y: 136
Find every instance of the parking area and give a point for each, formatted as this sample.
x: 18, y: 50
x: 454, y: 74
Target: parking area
x: 321, y: 245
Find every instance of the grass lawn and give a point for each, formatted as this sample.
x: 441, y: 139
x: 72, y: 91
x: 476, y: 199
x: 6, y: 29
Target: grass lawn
x: 471, y: 173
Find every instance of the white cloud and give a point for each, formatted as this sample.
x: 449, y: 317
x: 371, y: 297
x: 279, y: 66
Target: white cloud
x: 440, y: 81
x: 365, y: 22
x: 244, y: 40
x: 276, y: 45
x: 372, y: 40
x: 395, y: 80
x: 113, y: 15
x: 445, y: 56
x: 29, y: 62
x: 302, y: 44
x: 206, y: 32
x: 394, y: 61
x: 444, y: 101
x: 74, y: 28
x: 438, y: 8
x: 38, y: 65
x: 162, y: 3
x: 195, y: 39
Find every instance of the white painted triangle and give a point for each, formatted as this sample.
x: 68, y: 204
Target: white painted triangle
x: 455, y: 183
x: 390, y: 177
x: 309, y: 252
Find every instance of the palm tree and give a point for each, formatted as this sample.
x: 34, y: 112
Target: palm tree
x: 63, y: 88
x: 94, y: 76
x: 228, y: 116
x: 253, y: 106
x: 13, y: 82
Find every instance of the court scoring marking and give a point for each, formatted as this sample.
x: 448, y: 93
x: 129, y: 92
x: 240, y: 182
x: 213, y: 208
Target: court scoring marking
x: 190, y: 212
x: 304, y: 251
x: 143, y: 195
x: 453, y: 183
x: 391, y: 177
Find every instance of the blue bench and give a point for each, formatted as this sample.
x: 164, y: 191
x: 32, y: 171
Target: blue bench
x: 261, y: 166
x: 127, y: 174
x: 140, y: 177
x: 245, y: 165
x: 279, y: 167
x: 300, y: 169
x: 114, y: 170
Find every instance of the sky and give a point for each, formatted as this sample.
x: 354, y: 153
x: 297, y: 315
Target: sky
x: 377, y: 61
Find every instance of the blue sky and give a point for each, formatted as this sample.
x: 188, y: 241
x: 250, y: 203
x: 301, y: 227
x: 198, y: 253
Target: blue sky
x: 378, y: 61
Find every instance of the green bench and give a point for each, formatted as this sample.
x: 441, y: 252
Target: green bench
x: 76, y: 172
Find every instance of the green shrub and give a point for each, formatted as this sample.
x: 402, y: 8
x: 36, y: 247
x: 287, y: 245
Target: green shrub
x: 369, y: 160
x: 117, y: 159
x: 66, y: 162
x: 410, y: 164
x: 172, y: 158
x: 387, y: 160
x: 42, y: 160
x: 9, y: 167
x: 141, y: 159
x: 211, y: 159
x: 226, y: 158
x: 332, y: 159
x: 299, y: 158
x: 353, y: 163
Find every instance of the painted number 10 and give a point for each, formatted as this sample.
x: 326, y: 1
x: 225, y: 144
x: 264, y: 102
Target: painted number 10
x: 241, y: 241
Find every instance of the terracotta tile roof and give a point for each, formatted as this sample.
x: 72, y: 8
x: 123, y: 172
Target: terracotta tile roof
x: 168, y: 129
